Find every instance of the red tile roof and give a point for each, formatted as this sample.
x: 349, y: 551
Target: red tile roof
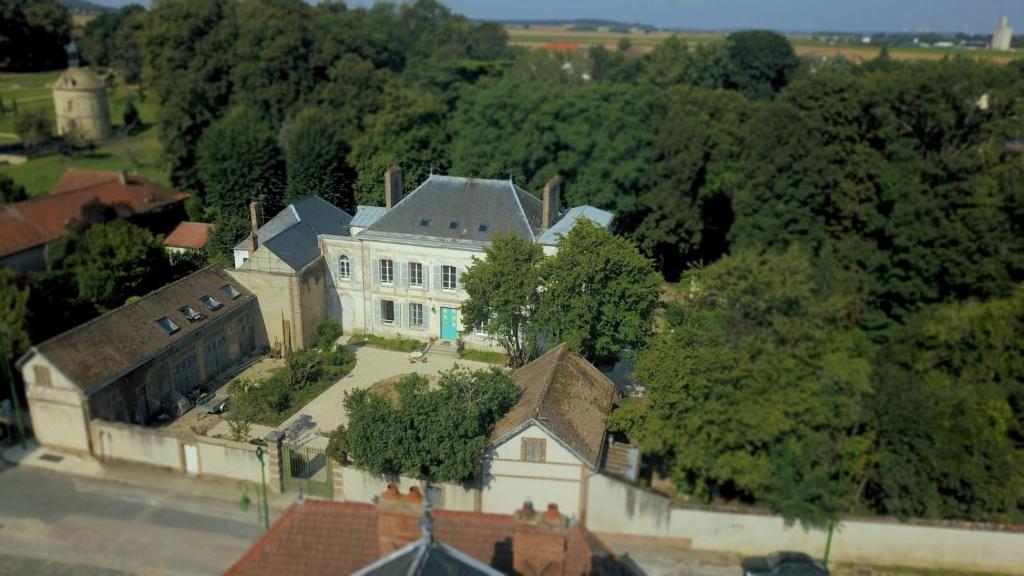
x: 320, y: 537
x: 28, y: 224
x: 189, y: 235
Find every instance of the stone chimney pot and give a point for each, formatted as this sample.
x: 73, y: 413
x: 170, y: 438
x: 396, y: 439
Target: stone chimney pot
x: 552, y: 201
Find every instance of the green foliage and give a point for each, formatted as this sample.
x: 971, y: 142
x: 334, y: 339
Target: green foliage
x: 316, y: 146
x: 437, y: 433
x: 130, y: 116
x: 672, y: 63
x: 34, y: 127
x: 397, y: 344
x: 761, y: 62
x: 503, y: 295
x: 756, y: 392
x: 112, y: 40
x: 11, y: 191
x: 327, y: 333
x: 337, y: 444
x: 33, y: 34
x: 117, y: 260
x: 14, y: 315
x: 950, y: 414
x: 487, y: 356
x: 599, y: 294
x: 239, y: 161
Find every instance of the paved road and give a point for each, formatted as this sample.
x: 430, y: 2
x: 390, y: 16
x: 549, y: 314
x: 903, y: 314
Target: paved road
x: 56, y: 524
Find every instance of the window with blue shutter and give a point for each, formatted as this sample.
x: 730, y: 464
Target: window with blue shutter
x: 437, y: 277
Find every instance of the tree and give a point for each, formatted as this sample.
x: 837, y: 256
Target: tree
x: 112, y: 39
x: 130, y: 115
x: 34, y: 127
x: 117, y: 260
x: 11, y: 191
x: 238, y: 160
x: 599, y: 294
x: 503, y: 295
x: 14, y: 314
x: 761, y: 61
x: 756, y: 391
x: 316, y: 146
x: 438, y: 434
x: 33, y: 34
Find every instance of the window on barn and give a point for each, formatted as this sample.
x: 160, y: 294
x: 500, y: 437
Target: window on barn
x: 168, y: 325
x: 534, y: 450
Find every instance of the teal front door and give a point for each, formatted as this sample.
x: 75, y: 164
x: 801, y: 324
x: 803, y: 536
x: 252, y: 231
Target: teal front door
x: 449, y: 330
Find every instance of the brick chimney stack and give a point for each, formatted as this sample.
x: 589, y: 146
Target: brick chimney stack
x: 398, y: 518
x: 392, y: 186
x: 552, y: 201
x: 253, y: 241
x: 539, y: 542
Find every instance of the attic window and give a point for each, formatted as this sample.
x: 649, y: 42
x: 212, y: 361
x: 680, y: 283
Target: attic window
x: 190, y: 313
x: 482, y: 228
x: 453, y: 225
x: 210, y: 303
x: 230, y: 291
x: 424, y: 222
x: 168, y: 325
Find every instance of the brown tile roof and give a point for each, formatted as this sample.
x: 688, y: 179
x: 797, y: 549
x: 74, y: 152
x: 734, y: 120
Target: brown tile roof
x: 40, y: 220
x: 106, y: 347
x: 568, y: 396
x: 189, y: 235
x: 332, y: 538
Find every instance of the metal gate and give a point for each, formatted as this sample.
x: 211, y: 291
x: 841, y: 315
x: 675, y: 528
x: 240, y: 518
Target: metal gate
x: 309, y: 469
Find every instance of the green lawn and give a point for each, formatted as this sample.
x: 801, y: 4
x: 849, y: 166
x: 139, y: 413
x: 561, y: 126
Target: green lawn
x: 484, y: 356
x: 396, y: 344
x: 140, y: 152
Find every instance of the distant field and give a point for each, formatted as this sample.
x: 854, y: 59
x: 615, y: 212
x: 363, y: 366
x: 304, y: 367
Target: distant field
x: 141, y: 152
x: 564, y: 38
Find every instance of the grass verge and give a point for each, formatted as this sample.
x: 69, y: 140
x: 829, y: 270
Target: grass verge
x: 487, y: 356
x: 398, y: 344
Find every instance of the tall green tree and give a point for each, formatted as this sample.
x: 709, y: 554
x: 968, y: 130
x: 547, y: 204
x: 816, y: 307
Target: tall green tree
x: 33, y: 34
x: 117, y: 260
x: 756, y: 392
x: 761, y: 62
x: 599, y: 294
x: 114, y: 39
x: 316, y: 147
x: 11, y: 191
x: 503, y: 295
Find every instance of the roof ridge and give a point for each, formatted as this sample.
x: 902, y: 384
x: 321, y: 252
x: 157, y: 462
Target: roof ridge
x: 559, y: 352
x: 522, y: 211
x: 216, y: 268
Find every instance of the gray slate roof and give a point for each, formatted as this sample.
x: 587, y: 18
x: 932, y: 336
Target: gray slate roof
x: 470, y: 204
x: 367, y: 215
x: 427, y: 557
x: 292, y: 233
x: 120, y: 340
x: 569, y: 219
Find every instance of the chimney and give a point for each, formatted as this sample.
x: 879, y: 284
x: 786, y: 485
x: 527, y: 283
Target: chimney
x: 539, y: 542
x: 122, y: 176
x: 552, y: 200
x: 253, y: 241
x: 397, y: 519
x: 392, y: 186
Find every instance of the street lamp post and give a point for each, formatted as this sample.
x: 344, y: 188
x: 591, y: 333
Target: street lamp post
x: 263, y: 481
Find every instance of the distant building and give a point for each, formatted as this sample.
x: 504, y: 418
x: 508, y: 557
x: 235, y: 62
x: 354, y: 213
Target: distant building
x: 188, y: 236
x: 1003, y: 35
x: 80, y: 101
x: 30, y: 225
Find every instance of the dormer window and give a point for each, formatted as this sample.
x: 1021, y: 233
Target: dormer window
x: 482, y: 228
x: 424, y: 222
x: 210, y: 303
x: 190, y: 314
x: 230, y: 291
x: 168, y: 325
x: 453, y: 225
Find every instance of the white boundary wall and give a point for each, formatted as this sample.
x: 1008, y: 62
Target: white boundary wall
x: 619, y: 508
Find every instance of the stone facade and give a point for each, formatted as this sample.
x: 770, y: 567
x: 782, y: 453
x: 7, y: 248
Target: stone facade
x: 80, y: 103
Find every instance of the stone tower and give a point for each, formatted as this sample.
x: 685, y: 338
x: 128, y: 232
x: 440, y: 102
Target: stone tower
x: 80, y: 101
x: 1003, y: 35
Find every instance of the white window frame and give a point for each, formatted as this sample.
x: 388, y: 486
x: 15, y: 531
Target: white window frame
x: 449, y: 278
x: 383, y: 309
x: 388, y: 266
x: 413, y: 277
x: 344, y: 273
x: 416, y: 318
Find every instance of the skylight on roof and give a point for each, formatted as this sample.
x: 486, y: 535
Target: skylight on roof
x: 424, y: 222
x: 230, y: 291
x: 482, y: 228
x: 168, y: 325
x: 453, y: 225
x: 210, y: 303
x: 190, y: 313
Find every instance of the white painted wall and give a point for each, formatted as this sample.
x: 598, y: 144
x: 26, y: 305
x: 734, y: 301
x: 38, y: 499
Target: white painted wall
x: 131, y: 443
x: 57, y: 410
x: 620, y: 508
x: 229, y: 459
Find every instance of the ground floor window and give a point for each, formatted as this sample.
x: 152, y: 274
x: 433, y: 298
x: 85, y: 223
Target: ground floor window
x: 416, y: 315
x: 387, y: 311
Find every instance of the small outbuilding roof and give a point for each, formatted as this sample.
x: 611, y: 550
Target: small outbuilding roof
x: 569, y: 220
x: 104, y: 348
x: 292, y: 233
x: 191, y: 235
x: 367, y: 215
x: 565, y: 395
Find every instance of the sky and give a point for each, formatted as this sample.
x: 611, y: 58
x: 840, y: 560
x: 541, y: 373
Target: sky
x: 973, y: 16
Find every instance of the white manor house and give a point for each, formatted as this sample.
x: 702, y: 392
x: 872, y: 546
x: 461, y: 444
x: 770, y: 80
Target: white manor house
x: 391, y: 270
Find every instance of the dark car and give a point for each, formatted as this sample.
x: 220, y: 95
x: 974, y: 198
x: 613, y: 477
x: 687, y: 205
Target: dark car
x: 783, y: 564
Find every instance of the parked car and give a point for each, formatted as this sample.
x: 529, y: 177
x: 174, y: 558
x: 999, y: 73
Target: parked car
x: 783, y: 564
